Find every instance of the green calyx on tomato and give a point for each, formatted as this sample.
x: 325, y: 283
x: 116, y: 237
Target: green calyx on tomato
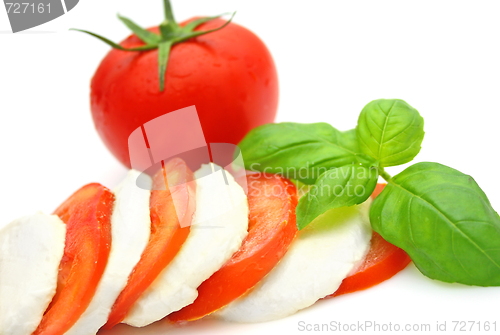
x: 170, y: 33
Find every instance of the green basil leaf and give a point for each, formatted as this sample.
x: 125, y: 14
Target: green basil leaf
x: 299, y: 151
x: 390, y: 131
x: 345, y: 186
x: 349, y: 140
x: 444, y: 221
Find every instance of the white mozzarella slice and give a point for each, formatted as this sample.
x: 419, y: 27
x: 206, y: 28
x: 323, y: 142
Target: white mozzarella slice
x: 318, y: 260
x: 219, y: 225
x: 31, y: 249
x: 130, y: 230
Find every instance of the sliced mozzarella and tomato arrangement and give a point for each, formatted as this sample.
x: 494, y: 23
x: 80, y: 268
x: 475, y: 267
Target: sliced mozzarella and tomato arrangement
x: 194, y: 244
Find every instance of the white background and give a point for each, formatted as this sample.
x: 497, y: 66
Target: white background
x: 333, y: 57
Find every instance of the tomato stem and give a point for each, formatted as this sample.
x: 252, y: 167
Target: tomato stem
x: 169, y: 14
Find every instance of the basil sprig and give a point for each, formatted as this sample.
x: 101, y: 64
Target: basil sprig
x: 438, y: 215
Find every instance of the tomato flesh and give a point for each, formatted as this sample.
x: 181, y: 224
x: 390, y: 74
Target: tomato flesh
x: 271, y: 229
x: 87, y: 214
x: 382, y: 262
x: 172, y: 204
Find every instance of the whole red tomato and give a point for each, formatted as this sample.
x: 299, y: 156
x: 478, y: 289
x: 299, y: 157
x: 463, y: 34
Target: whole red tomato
x: 229, y: 75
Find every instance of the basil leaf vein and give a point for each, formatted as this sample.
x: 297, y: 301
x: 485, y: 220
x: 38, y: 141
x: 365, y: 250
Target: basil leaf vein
x: 390, y: 131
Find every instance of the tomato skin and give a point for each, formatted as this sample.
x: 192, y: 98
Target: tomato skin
x: 87, y: 214
x: 382, y: 262
x: 271, y: 229
x: 229, y: 75
x: 167, y: 236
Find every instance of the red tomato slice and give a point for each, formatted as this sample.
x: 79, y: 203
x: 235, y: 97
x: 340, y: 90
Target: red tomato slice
x: 271, y: 229
x: 167, y: 236
x: 87, y: 214
x: 382, y: 262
